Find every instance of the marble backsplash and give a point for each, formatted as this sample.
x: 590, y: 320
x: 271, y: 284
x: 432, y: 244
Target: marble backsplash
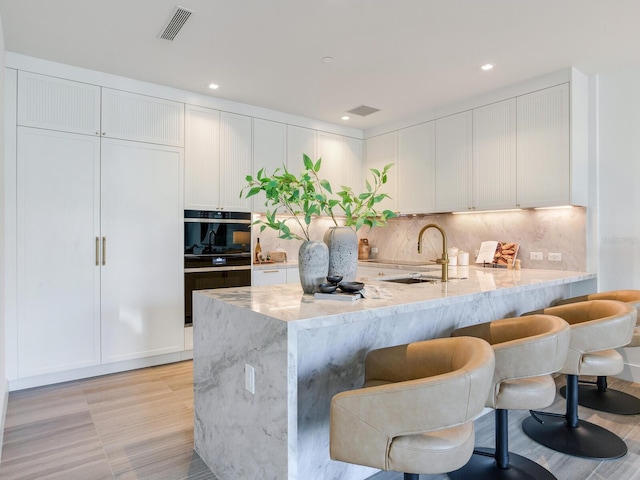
x: 554, y: 230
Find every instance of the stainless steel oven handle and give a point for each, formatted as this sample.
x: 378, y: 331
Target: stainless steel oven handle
x: 216, y: 220
x: 217, y: 269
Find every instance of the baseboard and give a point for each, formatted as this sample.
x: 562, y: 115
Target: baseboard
x: 87, y: 372
x: 4, y: 397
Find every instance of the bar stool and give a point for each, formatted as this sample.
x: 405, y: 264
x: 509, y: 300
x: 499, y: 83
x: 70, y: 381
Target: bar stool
x: 601, y: 397
x: 528, y: 350
x: 415, y: 412
x: 597, y: 328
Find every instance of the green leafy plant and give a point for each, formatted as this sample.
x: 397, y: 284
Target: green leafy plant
x: 291, y: 198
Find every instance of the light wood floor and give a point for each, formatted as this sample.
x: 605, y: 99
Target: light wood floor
x: 139, y: 425
x: 132, y: 425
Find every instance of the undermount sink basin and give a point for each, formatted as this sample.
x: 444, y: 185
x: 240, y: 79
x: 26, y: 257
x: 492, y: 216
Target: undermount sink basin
x: 418, y: 278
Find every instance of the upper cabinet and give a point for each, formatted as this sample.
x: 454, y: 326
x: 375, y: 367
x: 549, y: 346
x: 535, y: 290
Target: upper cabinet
x: 494, y: 156
x: 544, y: 174
x: 341, y: 161
x: 453, y: 162
x: 218, y: 157
x: 378, y: 152
x: 417, y: 168
x: 269, y: 152
x: 235, y: 160
x: 129, y: 116
x: 201, y: 158
x: 300, y: 141
x: 58, y: 104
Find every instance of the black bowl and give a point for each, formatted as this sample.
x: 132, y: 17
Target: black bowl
x: 351, y: 287
x: 335, y: 279
x: 327, y: 287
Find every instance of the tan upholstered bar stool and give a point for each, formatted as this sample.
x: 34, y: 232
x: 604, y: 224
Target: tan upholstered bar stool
x: 528, y: 350
x: 597, y: 328
x: 601, y: 397
x: 415, y: 412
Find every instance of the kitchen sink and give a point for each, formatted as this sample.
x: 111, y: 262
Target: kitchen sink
x: 418, y: 278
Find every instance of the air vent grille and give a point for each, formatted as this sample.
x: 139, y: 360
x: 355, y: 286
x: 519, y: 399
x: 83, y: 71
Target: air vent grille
x: 176, y: 21
x: 364, y: 110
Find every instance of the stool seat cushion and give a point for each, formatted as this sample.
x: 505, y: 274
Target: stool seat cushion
x: 434, y: 452
x: 601, y: 363
x: 525, y: 393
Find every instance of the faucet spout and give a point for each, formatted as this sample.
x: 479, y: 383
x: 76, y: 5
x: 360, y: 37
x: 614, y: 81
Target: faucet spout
x: 445, y: 257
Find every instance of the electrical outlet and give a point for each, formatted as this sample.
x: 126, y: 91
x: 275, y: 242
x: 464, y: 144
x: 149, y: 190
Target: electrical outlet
x: 250, y: 378
x: 535, y: 255
x: 554, y: 257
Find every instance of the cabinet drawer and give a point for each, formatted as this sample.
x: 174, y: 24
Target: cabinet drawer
x: 270, y: 276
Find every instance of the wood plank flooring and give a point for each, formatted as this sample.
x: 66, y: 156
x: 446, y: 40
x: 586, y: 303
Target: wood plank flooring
x: 139, y: 425
x: 131, y: 425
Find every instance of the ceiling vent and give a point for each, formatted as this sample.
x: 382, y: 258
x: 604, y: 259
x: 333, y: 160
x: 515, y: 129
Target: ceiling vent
x: 364, y: 110
x: 176, y: 21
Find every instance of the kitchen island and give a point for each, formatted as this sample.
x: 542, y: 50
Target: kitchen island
x: 304, y: 350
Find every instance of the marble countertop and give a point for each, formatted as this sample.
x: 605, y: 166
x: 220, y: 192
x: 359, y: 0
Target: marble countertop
x: 286, y: 302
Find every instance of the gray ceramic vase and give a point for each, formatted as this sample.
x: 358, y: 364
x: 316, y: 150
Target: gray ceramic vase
x: 343, y: 252
x: 313, y: 264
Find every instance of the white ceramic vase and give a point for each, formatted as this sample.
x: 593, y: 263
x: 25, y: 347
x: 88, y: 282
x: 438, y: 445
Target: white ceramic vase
x: 313, y: 264
x: 343, y: 252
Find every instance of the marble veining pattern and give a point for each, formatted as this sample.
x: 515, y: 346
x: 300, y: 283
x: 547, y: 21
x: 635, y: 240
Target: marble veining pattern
x: 305, y: 351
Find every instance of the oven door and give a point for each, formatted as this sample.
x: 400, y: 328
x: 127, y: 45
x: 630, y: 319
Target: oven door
x: 214, y: 277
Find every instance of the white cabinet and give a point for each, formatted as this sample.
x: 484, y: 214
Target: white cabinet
x: 378, y: 152
x: 341, y: 161
x: 217, y: 159
x: 453, y: 162
x: 235, y: 160
x: 141, y: 118
x: 142, y: 298
x: 544, y: 176
x: 417, y: 169
x: 44, y: 102
x: 269, y: 276
x: 300, y: 141
x: 494, y: 156
x: 58, y: 281
x: 269, y: 152
x: 202, y: 159
x: 275, y: 275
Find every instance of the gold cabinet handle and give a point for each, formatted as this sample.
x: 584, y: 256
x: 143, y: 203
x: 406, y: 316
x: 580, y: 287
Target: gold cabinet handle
x: 97, y: 251
x: 104, y: 250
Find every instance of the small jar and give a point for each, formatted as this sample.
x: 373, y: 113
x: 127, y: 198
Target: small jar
x: 363, y: 249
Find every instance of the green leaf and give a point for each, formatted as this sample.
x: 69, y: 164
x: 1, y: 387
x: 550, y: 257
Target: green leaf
x: 326, y: 185
x: 316, y: 167
x: 308, y: 164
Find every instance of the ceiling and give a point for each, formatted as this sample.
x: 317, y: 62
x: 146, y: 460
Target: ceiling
x: 401, y: 56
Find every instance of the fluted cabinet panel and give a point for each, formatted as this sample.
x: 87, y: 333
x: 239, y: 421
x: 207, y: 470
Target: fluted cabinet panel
x: 494, y: 156
x: 416, y: 168
x: 129, y: 116
x: 58, y: 104
x: 454, y: 162
x: 300, y: 141
x: 543, y: 148
x: 202, y: 158
x: 235, y: 160
x: 353, y: 165
x: 269, y: 152
x: 378, y: 152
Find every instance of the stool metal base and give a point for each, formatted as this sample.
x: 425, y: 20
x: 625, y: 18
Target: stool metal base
x: 482, y: 466
x: 609, y: 401
x: 587, y: 440
x: 411, y: 476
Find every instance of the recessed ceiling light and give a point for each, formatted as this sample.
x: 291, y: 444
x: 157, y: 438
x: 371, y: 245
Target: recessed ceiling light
x: 346, y: 117
x: 213, y: 86
x: 486, y: 67
x: 327, y: 59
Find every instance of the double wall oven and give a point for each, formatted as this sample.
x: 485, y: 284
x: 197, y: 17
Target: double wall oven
x: 217, y: 252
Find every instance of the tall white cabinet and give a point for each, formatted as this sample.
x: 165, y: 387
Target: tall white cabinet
x: 98, y: 228
x: 417, y: 168
x: 58, y: 251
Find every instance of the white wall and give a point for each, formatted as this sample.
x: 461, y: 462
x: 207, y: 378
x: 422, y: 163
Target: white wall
x: 3, y: 378
x: 619, y: 178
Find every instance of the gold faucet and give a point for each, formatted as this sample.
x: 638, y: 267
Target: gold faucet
x: 445, y: 256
